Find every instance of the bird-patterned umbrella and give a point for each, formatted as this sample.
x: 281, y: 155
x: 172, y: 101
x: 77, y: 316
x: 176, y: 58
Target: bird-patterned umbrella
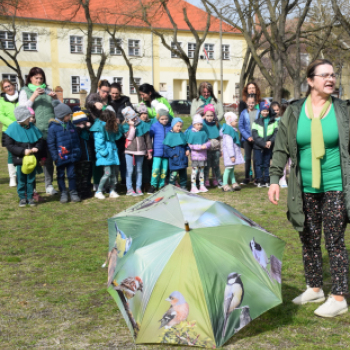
x: 187, y: 270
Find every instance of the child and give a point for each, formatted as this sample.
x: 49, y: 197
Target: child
x: 246, y: 120
x: 138, y: 144
x: 276, y: 107
x: 143, y: 112
x: 211, y: 127
x: 24, y: 139
x: 64, y: 146
x: 264, y: 133
x: 106, y: 133
x: 199, y: 143
x: 231, y: 151
x: 175, y: 147
x: 158, y: 133
x: 83, y: 168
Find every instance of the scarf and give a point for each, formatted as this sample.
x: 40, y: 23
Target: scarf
x: 173, y: 139
x: 205, y: 100
x: 195, y: 137
x: 12, y: 98
x: 63, y: 124
x: 21, y: 134
x: 229, y: 130
x: 211, y: 129
x: 317, y: 142
x: 34, y: 87
x: 141, y: 128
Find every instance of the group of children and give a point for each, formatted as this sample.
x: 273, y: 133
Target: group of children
x: 77, y: 146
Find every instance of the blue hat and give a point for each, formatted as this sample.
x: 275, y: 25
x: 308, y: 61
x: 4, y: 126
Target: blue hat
x: 176, y: 120
x: 264, y: 105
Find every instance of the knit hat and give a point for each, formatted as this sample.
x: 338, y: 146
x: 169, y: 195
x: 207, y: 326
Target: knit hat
x: 264, y: 105
x: 162, y: 110
x: 209, y: 108
x: 142, y: 108
x: 60, y: 109
x: 176, y: 120
x: 197, y: 119
x: 79, y: 117
x: 230, y: 117
x: 129, y: 113
x: 22, y: 113
x: 200, y: 110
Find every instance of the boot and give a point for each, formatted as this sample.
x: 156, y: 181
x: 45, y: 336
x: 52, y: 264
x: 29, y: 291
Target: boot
x: 74, y: 197
x: 12, y: 174
x: 64, y: 197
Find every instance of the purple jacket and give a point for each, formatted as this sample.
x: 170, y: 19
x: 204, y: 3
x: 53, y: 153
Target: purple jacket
x: 198, y: 153
x: 230, y: 149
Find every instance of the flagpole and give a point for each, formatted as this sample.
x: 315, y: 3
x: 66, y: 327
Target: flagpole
x: 221, y: 64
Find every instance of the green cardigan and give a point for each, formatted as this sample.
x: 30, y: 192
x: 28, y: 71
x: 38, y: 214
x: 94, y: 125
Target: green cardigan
x: 7, y: 116
x: 286, y: 147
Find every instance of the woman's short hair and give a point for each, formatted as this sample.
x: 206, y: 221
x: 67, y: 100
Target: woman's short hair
x: 117, y: 86
x: 35, y: 71
x: 3, y: 81
x: 103, y: 82
x: 209, y: 87
x: 311, y: 70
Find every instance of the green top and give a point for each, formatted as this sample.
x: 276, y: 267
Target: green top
x: 266, y: 124
x: 7, y: 116
x: 152, y: 113
x: 331, y: 175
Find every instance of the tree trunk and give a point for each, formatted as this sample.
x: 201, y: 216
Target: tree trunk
x: 192, y: 82
x: 94, y: 84
x: 297, y: 86
x: 278, y: 80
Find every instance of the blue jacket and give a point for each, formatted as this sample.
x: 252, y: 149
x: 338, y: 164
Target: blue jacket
x: 63, y: 142
x: 244, y: 124
x: 157, y: 133
x: 177, y: 156
x: 105, y: 146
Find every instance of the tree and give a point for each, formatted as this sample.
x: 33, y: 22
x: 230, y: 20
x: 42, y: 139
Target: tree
x: 342, y: 12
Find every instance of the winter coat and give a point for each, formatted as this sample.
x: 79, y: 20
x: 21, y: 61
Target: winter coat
x: 198, y: 153
x: 157, y: 133
x: 87, y: 147
x: 105, y: 146
x: 90, y: 105
x: 63, y: 143
x: 244, y: 124
x: 177, y: 157
x: 17, y: 149
x: 7, y: 116
x: 258, y: 132
x: 230, y: 149
x: 137, y: 145
x: 286, y: 147
x: 119, y: 105
x: 219, y: 108
x: 152, y: 113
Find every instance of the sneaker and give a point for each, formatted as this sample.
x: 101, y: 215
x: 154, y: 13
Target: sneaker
x: 130, y: 192
x: 215, y: 183
x: 22, y: 203
x: 227, y: 188
x: 267, y: 184
x: 203, y: 189
x: 261, y: 184
x: 256, y: 182
x: 113, y: 194
x: 245, y: 182
x: 31, y: 202
x: 236, y: 187
x: 138, y: 192
x: 74, y: 197
x: 194, y: 189
x: 177, y: 184
x: 151, y: 190
x: 332, y: 308
x: 99, y: 195
x: 50, y: 190
x: 207, y: 184
x: 184, y: 188
x: 94, y: 188
x: 64, y: 197
x: 309, y: 296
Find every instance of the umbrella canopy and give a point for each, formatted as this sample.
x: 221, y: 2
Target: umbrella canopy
x: 187, y: 270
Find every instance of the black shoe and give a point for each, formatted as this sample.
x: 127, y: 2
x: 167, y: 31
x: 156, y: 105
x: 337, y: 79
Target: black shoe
x: 261, y: 184
x: 31, y: 202
x: 64, y: 197
x: 245, y: 182
x: 22, y: 203
x: 151, y: 190
x: 267, y: 184
x: 74, y: 197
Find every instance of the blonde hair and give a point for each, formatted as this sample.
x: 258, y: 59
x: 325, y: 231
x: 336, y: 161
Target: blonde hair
x: 3, y: 81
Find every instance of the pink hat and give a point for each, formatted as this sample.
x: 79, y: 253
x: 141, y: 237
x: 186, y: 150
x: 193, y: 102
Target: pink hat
x: 210, y: 108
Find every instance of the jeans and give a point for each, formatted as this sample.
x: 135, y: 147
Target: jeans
x: 110, y: 173
x: 159, y: 171
x: 48, y: 167
x: 61, y: 177
x: 129, y: 158
x: 25, y: 183
x: 262, y: 164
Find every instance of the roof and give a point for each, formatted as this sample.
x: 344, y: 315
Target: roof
x: 118, y: 12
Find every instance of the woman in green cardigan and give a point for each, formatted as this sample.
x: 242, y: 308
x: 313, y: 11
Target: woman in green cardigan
x: 314, y: 133
x: 8, y: 103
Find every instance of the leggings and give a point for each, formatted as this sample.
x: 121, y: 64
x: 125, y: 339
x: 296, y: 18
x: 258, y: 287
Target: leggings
x: 248, y: 149
x: 195, y: 171
x: 326, y: 208
x: 183, y: 177
x: 110, y: 173
x: 229, y: 174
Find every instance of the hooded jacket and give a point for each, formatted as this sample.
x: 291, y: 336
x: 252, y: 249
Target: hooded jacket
x: 258, y: 132
x: 158, y: 132
x: 244, y: 124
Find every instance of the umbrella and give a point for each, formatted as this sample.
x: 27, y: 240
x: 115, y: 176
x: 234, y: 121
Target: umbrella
x: 187, y: 270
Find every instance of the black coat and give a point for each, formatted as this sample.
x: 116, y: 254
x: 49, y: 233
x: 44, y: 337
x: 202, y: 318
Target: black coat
x: 87, y: 147
x: 119, y: 105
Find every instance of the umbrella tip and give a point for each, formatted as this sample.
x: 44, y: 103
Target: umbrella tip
x: 187, y: 226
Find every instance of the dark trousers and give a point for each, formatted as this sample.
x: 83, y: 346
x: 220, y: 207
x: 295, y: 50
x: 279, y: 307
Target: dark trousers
x: 61, y: 177
x: 83, y: 174
x: 326, y: 208
x: 48, y: 167
x: 248, y: 149
x: 183, y: 177
x: 262, y: 164
x: 121, y: 154
x: 25, y: 183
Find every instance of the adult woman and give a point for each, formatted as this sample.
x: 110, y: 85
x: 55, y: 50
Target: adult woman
x: 36, y: 95
x: 314, y: 133
x: 98, y: 101
x: 250, y: 89
x: 205, y: 97
x: 148, y: 94
x: 8, y: 102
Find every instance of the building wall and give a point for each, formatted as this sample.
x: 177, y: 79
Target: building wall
x: 155, y: 66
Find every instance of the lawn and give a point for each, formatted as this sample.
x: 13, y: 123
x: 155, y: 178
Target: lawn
x: 53, y: 293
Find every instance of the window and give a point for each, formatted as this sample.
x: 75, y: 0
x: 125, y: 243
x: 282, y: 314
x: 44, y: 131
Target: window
x: 11, y: 77
x: 30, y: 41
x: 96, y: 46
x: 113, y: 48
x: 225, y: 52
x: 7, y: 40
x: 132, y: 88
x: 118, y: 80
x: 191, y: 49
x: 174, y: 46
x: 75, y: 85
x: 76, y: 44
x: 210, y: 50
x: 134, y: 48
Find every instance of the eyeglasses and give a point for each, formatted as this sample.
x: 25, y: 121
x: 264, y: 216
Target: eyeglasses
x: 7, y: 86
x: 326, y: 76
x: 104, y: 91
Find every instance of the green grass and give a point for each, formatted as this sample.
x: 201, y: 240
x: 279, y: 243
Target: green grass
x: 52, y: 286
